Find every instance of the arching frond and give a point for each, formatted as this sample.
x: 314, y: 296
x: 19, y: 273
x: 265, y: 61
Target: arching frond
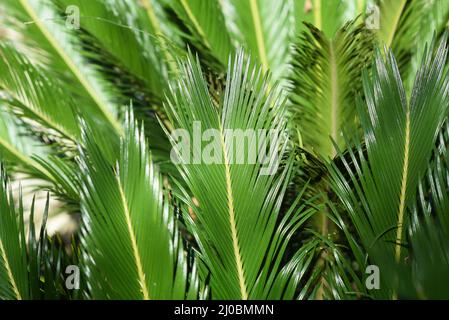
x: 326, y: 79
x: 237, y: 201
x: 399, y: 136
x: 148, y: 262
x: 265, y: 28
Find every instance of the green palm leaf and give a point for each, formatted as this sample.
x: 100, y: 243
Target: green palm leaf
x: 13, y: 267
x: 148, y: 261
x: 30, y: 268
x: 207, y: 25
x: 426, y: 275
x: 406, y: 26
x: 65, y: 52
x: 265, y: 28
x: 237, y: 205
x: 328, y: 16
x: 14, y: 154
x: 35, y: 95
x: 399, y: 137
x: 325, y: 80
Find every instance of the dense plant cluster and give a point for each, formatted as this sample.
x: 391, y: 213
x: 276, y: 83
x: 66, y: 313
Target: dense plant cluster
x: 351, y: 200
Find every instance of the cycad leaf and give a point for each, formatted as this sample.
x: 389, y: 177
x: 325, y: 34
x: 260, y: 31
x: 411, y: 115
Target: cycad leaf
x: 325, y: 80
x: 114, y: 23
x: 13, y: 152
x: 13, y: 265
x: 399, y: 137
x: 390, y: 15
x: 327, y: 16
x: 206, y: 23
x: 66, y: 51
x: 238, y: 201
x: 132, y: 248
x: 427, y: 273
x: 406, y: 26
x: 35, y: 95
x: 265, y: 27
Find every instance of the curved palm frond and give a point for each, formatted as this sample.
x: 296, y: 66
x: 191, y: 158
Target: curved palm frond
x: 406, y: 26
x: 328, y: 16
x: 265, y: 28
x: 14, y: 154
x: 31, y: 268
x: 39, y: 22
x: 237, y: 204
x: 399, y: 137
x: 148, y: 262
x: 13, y: 266
x: 206, y: 23
x: 427, y: 271
x: 36, y: 96
x: 325, y: 80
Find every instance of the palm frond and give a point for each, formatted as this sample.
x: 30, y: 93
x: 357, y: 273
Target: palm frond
x: 265, y: 28
x: 399, y: 137
x: 14, y: 154
x: 206, y: 23
x: 325, y: 80
x: 328, y: 16
x: 31, y: 266
x: 237, y: 205
x: 13, y: 265
x: 40, y: 23
x: 35, y: 96
x: 407, y: 26
x: 149, y: 261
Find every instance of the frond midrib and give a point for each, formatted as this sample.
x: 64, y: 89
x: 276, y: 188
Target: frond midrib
x: 70, y: 64
x: 259, y: 34
x: 9, y: 271
x: 195, y: 22
x: 402, y: 201
x: 132, y: 236
x: 232, y: 222
x: 334, y: 96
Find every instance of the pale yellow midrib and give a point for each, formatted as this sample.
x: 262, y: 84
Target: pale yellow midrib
x: 235, y: 242
x: 334, y: 96
x: 31, y: 109
x: 397, y: 16
x: 403, y: 188
x: 136, y: 254
x: 48, y: 121
x: 9, y: 272
x: 195, y: 22
x: 5, y: 144
x: 317, y: 13
x: 259, y: 35
x: 158, y: 31
x: 70, y: 64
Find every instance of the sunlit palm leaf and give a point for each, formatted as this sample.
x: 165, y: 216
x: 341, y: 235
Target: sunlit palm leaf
x: 237, y: 205
x: 35, y: 95
x: 328, y: 16
x: 65, y: 51
x: 13, y: 266
x: 31, y: 268
x: 131, y: 247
